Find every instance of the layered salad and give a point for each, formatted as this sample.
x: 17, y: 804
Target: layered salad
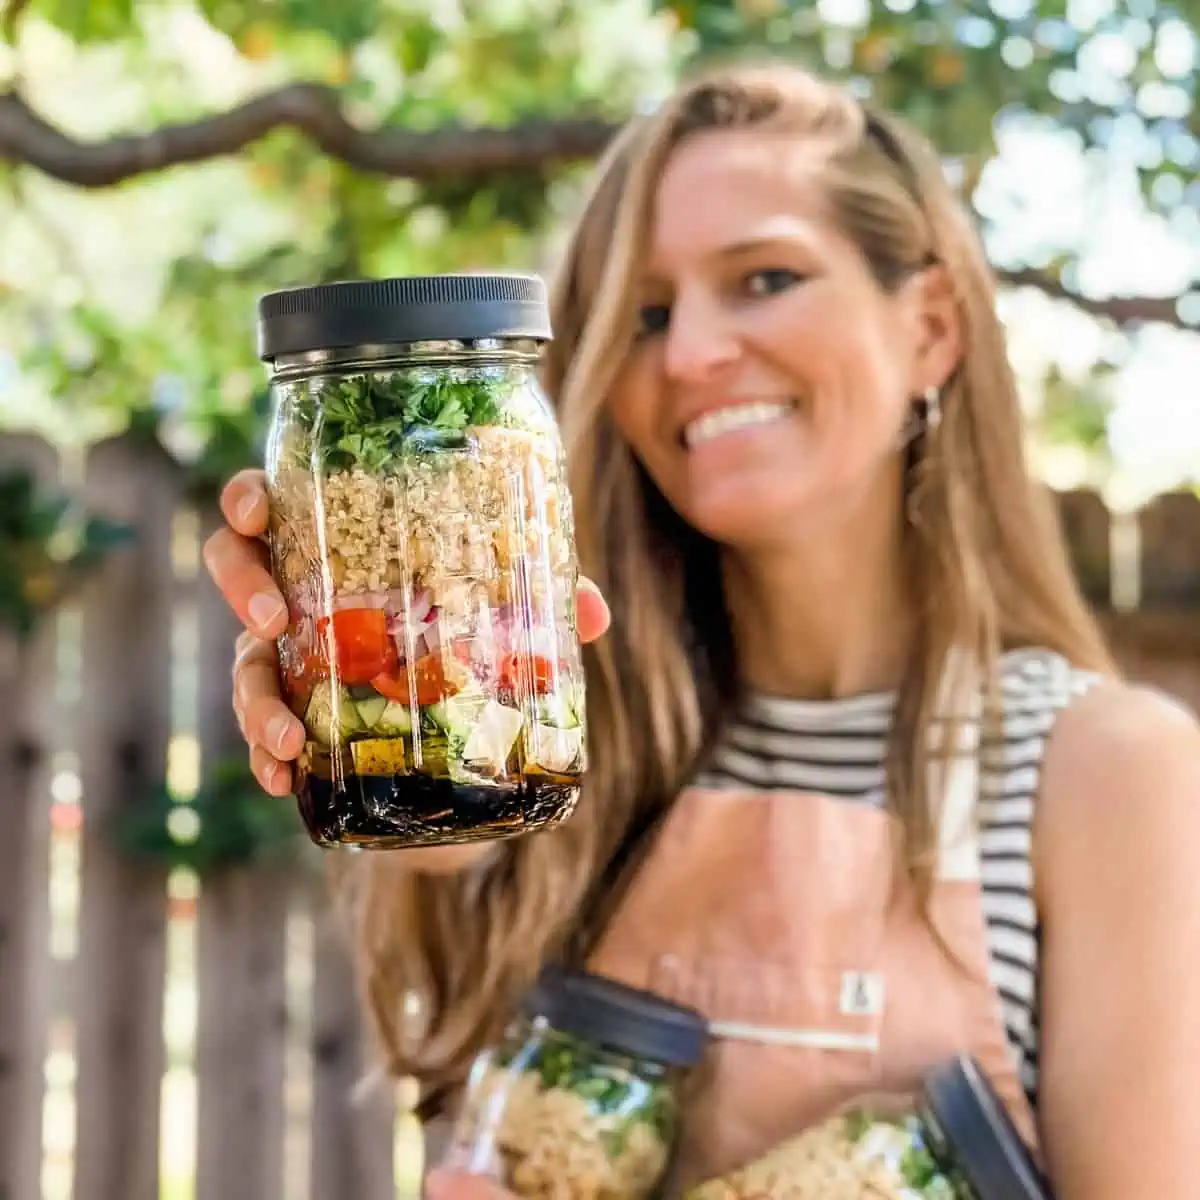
x: 561, y: 1118
x: 856, y: 1155
x: 422, y: 536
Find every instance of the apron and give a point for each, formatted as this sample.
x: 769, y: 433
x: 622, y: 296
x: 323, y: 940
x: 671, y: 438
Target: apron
x: 782, y: 917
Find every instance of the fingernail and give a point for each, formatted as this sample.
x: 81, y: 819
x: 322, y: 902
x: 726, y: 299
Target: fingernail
x: 246, y: 507
x: 264, y: 609
x: 278, y: 729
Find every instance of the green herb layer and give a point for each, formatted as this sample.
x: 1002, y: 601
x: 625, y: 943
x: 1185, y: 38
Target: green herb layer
x: 610, y: 1087
x: 371, y: 420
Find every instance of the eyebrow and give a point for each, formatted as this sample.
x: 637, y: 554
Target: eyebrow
x: 745, y: 245
x: 734, y: 249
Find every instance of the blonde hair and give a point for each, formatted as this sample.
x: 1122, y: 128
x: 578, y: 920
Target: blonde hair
x: 981, y: 539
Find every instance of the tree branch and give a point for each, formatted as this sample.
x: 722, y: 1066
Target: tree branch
x: 311, y: 108
x: 1124, y: 310
x: 26, y: 137
x: 12, y: 18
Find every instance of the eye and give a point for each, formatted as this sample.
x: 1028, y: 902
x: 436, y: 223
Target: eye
x: 653, y: 319
x: 770, y: 281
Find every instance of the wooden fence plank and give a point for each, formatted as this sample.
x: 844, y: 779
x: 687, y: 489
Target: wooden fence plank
x: 124, y: 734
x: 1086, y: 525
x: 352, y: 1135
x: 242, y: 927
x: 1170, y: 539
x: 28, y: 681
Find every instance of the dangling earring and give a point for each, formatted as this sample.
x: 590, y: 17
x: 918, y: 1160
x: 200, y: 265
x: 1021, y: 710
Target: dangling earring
x: 923, y: 418
x: 933, y: 408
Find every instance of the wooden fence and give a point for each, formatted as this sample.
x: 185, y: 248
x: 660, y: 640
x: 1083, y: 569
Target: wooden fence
x: 114, y: 1085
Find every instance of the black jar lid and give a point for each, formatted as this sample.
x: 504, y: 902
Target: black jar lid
x: 982, y: 1140
x: 606, y: 1013
x: 416, y: 308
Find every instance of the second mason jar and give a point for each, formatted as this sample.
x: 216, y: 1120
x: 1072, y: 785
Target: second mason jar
x: 955, y: 1141
x: 422, y: 536
x: 581, y: 1099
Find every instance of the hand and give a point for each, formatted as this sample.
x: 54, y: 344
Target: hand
x: 236, y: 558
x: 456, y: 1185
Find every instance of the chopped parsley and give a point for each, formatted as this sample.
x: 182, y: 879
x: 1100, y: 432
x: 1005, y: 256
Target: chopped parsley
x: 631, y: 1093
x: 370, y: 420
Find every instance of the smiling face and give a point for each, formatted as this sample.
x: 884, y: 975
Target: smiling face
x: 772, y: 376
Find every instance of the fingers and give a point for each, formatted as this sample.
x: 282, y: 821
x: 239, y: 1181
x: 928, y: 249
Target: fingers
x: 244, y: 503
x: 274, y: 734
x: 592, y: 617
x: 274, y: 777
x: 237, y: 560
x: 455, y: 1185
x: 238, y: 566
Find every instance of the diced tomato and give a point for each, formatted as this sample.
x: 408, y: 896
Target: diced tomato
x: 392, y: 687
x: 301, y: 672
x: 362, y: 644
x: 521, y: 674
x: 437, y: 677
x: 312, y: 667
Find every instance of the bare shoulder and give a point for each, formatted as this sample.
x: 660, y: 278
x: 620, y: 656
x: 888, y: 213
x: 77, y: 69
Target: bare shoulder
x: 1117, y: 734
x: 1122, y: 766
x: 1116, y: 847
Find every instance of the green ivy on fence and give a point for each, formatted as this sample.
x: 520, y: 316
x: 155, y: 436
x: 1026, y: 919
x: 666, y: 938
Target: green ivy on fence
x: 230, y: 822
x: 47, y: 549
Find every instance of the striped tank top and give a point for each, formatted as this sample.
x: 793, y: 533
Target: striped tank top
x: 837, y: 748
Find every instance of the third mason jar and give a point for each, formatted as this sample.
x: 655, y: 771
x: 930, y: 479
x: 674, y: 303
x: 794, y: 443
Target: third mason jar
x: 421, y: 533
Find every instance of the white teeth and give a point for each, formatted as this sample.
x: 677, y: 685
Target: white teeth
x: 725, y: 420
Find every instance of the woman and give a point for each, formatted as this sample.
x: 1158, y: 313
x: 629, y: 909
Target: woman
x: 851, y: 720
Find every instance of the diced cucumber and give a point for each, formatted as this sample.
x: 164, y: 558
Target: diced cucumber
x: 329, y: 711
x: 385, y: 716
x: 379, y: 756
x: 371, y: 710
x: 555, y: 749
x: 492, y: 736
x: 457, y: 714
x: 555, y: 709
x: 578, y: 696
x: 395, y: 719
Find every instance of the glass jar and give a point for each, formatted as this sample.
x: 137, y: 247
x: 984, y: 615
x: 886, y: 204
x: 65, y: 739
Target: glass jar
x: 580, y: 1101
x: 421, y: 533
x: 956, y: 1143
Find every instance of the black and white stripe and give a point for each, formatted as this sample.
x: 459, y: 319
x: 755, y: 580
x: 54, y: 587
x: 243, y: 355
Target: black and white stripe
x: 837, y: 748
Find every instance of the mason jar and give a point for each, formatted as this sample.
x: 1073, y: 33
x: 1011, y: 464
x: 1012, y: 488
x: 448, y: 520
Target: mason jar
x: 421, y: 533
x: 966, y: 1128
x: 581, y: 1098
x: 955, y: 1142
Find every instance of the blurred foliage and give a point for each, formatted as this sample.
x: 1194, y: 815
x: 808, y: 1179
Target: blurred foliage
x: 1075, y: 413
x: 47, y: 549
x: 138, y: 303
x: 229, y: 823
x: 1107, y: 70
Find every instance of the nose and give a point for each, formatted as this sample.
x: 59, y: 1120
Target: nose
x: 701, y: 339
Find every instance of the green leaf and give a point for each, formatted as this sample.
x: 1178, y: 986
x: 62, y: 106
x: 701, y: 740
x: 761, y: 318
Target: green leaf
x: 90, y: 20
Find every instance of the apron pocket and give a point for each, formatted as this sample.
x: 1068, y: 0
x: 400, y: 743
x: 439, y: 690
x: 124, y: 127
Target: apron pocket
x: 790, y: 1046
x: 828, y: 1008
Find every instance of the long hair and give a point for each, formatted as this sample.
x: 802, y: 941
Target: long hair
x: 984, y: 549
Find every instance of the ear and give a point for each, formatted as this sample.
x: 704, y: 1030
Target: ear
x: 936, y: 327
